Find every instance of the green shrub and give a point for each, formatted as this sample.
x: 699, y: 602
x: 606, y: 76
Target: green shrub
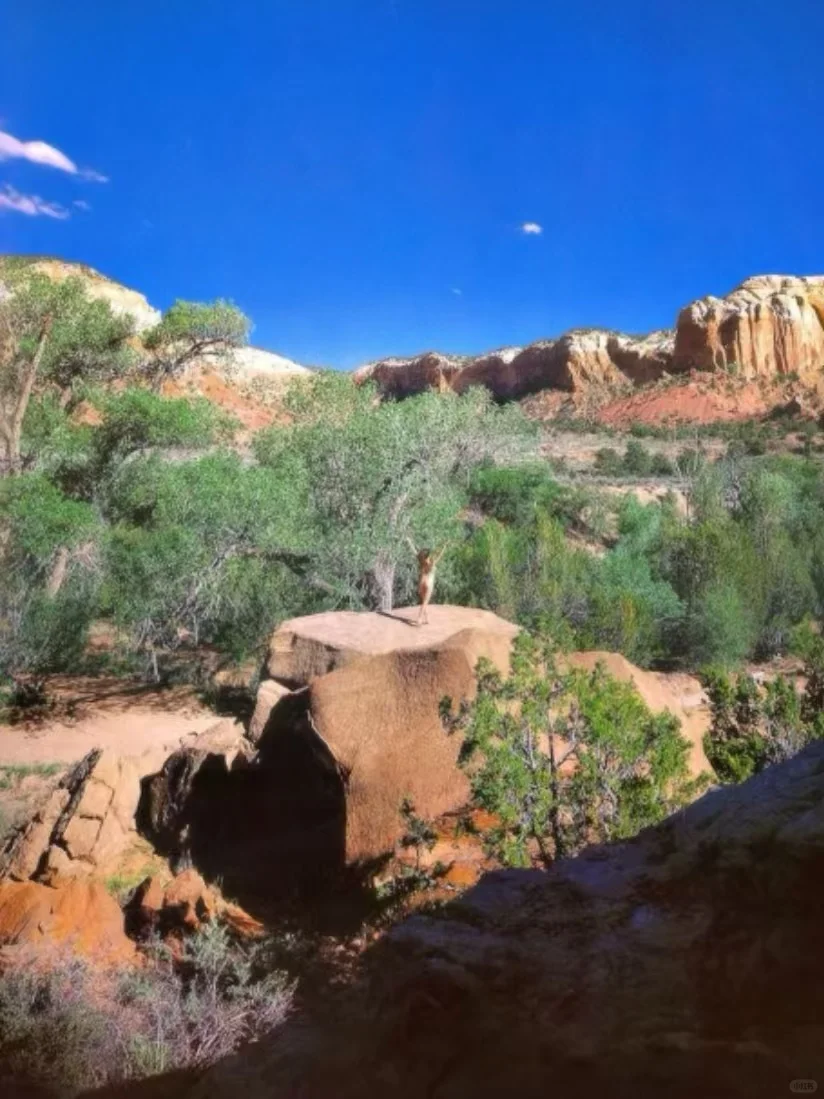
x: 755, y: 725
x: 637, y: 459
x: 71, y: 1026
x: 514, y: 494
x: 609, y: 462
x: 566, y: 759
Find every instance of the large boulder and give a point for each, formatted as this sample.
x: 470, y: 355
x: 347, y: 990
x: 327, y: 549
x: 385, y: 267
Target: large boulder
x: 78, y: 916
x: 769, y: 325
x: 336, y: 757
x: 378, y: 721
x: 302, y: 649
x: 348, y: 727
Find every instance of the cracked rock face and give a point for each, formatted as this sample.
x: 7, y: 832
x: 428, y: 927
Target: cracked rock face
x: 769, y: 325
x: 85, y: 825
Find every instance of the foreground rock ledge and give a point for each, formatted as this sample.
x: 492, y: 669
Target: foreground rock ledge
x: 687, y: 962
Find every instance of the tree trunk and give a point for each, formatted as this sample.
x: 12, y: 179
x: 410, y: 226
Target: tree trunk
x: 11, y: 429
x: 381, y: 585
x: 57, y: 573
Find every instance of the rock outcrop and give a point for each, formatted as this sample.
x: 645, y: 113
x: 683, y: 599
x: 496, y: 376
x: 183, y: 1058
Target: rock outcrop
x: 336, y: 756
x: 87, y: 824
x: 84, y: 825
x: 79, y: 916
x: 301, y: 649
x: 771, y: 324
x: 578, y: 360
x: 685, y: 962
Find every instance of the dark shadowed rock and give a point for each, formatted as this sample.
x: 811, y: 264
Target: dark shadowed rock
x: 686, y: 962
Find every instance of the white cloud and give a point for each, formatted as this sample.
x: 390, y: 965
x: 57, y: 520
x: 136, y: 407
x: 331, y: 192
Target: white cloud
x: 31, y: 205
x: 81, y: 204
x: 457, y: 292
x: 532, y: 228
x: 38, y: 152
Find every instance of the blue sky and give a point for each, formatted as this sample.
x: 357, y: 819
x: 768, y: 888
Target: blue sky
x: 341, y: 168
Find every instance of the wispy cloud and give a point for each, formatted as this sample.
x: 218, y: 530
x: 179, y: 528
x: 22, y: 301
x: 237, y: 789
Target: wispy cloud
x: 31, y: 205
x: 532, y: 228
x: 38, y: 152
x: 81, y: 204
x: 457, y: 291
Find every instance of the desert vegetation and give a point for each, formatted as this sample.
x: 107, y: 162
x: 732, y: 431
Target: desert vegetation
x: 124, y: 505
x: 68, y: 1025
x: 128, y: 505
x: 563, y: 758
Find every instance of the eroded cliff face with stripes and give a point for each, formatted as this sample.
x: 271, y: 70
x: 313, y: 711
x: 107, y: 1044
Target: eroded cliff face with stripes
x: 769, y: 326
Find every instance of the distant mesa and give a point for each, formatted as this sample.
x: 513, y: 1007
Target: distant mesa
x: 765, y: 334
x: 771, y: 325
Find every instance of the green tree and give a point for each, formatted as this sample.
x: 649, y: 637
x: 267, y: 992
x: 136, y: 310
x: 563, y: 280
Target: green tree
x: 48, y: 561
x: 52, y: 336
x: 759, y: 722
x: 367, y: 477
x: 138, y: 421
x: 192, y: 332
x: 564, y: 759
x: 196, y: 553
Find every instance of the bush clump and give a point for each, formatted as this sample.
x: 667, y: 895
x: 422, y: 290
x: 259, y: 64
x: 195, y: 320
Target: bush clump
x: 564, y: 759
x: 71, y: 1026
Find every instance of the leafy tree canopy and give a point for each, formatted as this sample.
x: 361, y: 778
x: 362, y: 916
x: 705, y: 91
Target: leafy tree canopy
x: 191, y: 331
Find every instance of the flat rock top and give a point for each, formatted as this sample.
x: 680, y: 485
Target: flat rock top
x: 371, y: 632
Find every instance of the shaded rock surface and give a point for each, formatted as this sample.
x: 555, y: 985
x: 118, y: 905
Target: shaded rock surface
x: 686, y: 962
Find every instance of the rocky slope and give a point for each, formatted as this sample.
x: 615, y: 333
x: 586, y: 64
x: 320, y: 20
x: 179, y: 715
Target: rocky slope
x: 771, y: 325
x: 685, y: 962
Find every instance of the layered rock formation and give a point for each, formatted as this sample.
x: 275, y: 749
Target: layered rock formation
x: 87, y: 825
x: 579, y: 359
x: 769, y: 325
